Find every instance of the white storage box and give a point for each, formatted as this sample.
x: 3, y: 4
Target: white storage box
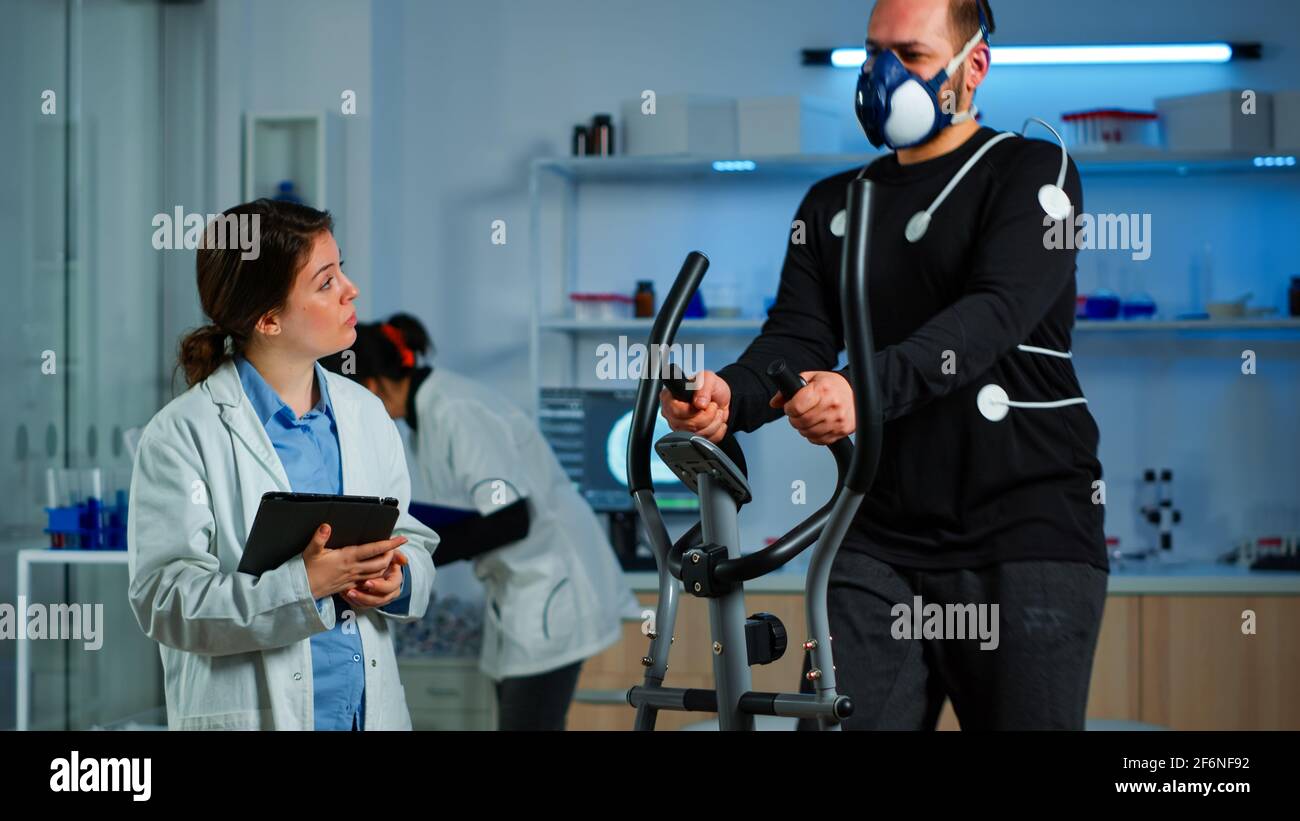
x: 1286, y: 122
x: 788, y: 125
x: 601, y: 307
x: 1106, y: 128
x: 1216, y: 122
x: 681, y: 124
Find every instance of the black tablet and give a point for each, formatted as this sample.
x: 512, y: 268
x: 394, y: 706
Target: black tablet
x: 286, y: 522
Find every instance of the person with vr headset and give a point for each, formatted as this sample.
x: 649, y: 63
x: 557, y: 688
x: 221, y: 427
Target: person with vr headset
x: 986, y: 494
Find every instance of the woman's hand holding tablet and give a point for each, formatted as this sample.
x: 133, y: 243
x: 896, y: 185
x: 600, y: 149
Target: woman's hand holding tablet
x: 381, y: 591
x: 334, y: 570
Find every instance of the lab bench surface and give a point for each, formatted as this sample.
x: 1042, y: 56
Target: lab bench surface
x: 1187, y: 646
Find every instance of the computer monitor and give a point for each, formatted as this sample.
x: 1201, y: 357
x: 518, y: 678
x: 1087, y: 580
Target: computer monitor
x: 588, y: 430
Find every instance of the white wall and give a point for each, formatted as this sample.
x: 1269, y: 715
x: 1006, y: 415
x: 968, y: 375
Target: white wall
x: 299, y: 55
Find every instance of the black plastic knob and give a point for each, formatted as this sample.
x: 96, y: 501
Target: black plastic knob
x: 779, y: 638
x: 843, y: 707
x: 675, y: 381
x: 787, y: 381
x: 767, y: 638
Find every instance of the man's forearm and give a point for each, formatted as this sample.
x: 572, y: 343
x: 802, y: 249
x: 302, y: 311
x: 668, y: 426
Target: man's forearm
x: 749, y: 409
x: 801, y: 328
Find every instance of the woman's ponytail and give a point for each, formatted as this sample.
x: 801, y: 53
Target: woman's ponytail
x: 202, y: 351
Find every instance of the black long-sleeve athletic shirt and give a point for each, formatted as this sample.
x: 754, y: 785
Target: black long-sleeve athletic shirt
x: 948, y: 314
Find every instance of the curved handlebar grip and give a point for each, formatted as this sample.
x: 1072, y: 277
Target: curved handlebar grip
x: 647, y: 394
x: 793, y: 542
x: 856, y: 316
x: 856, y: 463
x: 790, y: 383
x: 676, y: 381
x: 787, y: 381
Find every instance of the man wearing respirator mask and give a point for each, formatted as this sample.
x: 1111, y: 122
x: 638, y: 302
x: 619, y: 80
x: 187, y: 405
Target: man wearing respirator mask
x: 984, y: 499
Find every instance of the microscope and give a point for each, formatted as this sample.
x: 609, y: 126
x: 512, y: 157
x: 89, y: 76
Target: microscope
x: 1161, y: 514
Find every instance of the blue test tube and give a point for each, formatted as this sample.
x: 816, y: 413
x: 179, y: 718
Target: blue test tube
x: 94, y: 510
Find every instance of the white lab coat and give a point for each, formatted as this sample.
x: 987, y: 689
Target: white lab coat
x: 558, y: 595
x: 236, y: 648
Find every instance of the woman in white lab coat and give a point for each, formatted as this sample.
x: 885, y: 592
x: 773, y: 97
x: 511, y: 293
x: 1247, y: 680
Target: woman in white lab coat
x: 242, y: 651
x: 555, y: 592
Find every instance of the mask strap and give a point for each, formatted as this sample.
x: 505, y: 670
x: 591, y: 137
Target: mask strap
x: 969, y: 114
x: 964, y: 53
x: 963, y: 116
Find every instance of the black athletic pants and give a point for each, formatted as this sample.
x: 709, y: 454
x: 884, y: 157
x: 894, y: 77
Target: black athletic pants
x: 539, y: 702
x: 1049, y: 616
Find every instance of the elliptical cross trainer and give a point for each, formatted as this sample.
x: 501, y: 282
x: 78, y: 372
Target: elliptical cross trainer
x: 707, y: 559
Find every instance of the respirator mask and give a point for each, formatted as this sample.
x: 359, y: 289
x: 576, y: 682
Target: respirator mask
x: 899, y: 109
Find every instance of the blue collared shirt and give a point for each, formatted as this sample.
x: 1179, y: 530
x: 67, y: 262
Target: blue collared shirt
x: 308, y: 448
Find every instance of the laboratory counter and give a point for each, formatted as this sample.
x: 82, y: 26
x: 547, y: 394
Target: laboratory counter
x: 1184, y: 645
x: 1132, y: 579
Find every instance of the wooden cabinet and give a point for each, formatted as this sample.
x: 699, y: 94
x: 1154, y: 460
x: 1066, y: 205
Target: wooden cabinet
x: 1117, y: 665
x: 1180, y: 662
x: 1201, y: 672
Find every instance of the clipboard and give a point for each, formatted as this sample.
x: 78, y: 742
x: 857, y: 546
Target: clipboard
x: 436, y: 517
x: 286, y: 522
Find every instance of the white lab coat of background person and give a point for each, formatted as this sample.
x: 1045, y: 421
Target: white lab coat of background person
x: 236, y: 648
x: 558, y: 595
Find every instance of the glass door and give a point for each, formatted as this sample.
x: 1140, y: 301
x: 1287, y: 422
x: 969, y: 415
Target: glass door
x: 83, y: 140
x: 35, y: 116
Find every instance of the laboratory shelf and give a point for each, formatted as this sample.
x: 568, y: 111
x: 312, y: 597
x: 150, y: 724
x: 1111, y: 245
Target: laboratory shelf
x: 632, y: 169
x: 68, y: 555
x: 1137, y: 160
x: 642, y: 326
x: 1114, y: 162
x: 44, y: 556
x: 1221, y: 327
x: 561, y: 179
x: 1130, y: 578
x: 741, y: 327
